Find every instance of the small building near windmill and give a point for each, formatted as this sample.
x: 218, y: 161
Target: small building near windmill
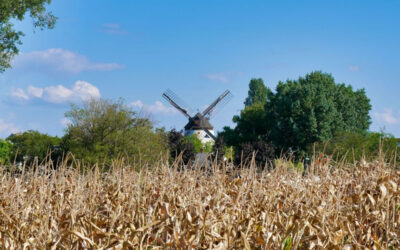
x: 197, y: 126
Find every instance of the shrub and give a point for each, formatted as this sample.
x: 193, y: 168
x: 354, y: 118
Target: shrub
x: 178, y: 144
x: 351, y: 147
x: 264, y: 152
x: 5, y: 151
x: 33, y: 144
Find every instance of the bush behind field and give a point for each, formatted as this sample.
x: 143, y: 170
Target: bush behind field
x: 334, y: 206
x: 353, y: 147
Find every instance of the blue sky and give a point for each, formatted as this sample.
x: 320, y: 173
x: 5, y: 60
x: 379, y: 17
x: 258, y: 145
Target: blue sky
x: 138, y: 49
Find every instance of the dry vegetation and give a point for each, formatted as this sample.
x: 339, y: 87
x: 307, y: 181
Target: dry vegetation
x: 332, y: 207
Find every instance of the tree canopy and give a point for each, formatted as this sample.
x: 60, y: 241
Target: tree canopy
x: 5, y: 151
x: 313, y: 109
x: 300, y: 112
x: 17, y: 10
x: 102, y: 130
x: 31, y: 144
x: 257, y: 92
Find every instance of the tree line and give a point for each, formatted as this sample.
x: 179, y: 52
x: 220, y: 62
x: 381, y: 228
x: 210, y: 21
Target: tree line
x: 304, y: 116
x: 312, y: 114
x: 100, y: 131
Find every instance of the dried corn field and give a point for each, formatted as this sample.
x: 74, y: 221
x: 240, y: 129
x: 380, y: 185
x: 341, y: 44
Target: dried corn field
x: 332, y: 207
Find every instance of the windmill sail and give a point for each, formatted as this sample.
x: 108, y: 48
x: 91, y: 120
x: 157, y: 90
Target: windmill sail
x: 223, y: 99
x: 175, y: 101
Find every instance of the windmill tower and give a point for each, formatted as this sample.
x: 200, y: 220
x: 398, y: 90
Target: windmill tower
x: 199, y: 124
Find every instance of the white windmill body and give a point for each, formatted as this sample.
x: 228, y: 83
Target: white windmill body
x: 199, y: 124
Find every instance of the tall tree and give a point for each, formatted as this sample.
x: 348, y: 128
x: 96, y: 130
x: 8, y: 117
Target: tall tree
x: 311, y: 109
x: 102, y: 130
x: 257, y: 92
x: 17, y: 9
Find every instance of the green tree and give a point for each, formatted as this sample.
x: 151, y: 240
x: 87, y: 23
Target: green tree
x: 177, y: 144
x: 5, y: 151
x: 17, y: 10
x: 257, y: 92
x: 313, y: 109
x: 102, y: 130
x: 299, y: 113
x: 33, y: 144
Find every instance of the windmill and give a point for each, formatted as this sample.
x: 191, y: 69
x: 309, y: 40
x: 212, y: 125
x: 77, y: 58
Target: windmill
x: 199, y: 124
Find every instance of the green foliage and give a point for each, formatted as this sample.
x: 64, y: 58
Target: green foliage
x: 16, y: 10
x: 251, y: 124
x: 5, y: 151
x: 177, y: 145
x: 300, y: 113
x: 219, y: 148
x: 31, y: 144
x: 229, y: 153
x: 257, y: 92
x: 287, y: 243
x: 102, y: 130
x: 314, y: 108
x: 195, y: 141
x: 251, y: 133
x: 351, y: 146
x: 208, y: 147
x: 263, y: 152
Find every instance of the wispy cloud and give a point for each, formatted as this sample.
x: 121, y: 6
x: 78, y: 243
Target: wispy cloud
x: 387, y: 117
x: 7, y: 128
x: 220, y: 77
x: 354, y: 68
x: 156, y: 108
x: 57, y: 94
x: 113, y: 28
x: 60, y: 60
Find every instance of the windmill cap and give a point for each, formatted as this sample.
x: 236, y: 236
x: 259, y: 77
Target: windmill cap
x: 198, y: 122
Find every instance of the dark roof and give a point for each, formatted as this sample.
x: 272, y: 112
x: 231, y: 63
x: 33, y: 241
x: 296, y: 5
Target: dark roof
x: 198, y: 122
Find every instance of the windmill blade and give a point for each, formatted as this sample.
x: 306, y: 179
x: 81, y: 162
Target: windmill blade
x: 210, y: 134
x: 172, y: 98
x: 220, y: 101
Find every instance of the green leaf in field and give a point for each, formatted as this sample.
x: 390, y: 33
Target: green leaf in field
x: 287, y: 243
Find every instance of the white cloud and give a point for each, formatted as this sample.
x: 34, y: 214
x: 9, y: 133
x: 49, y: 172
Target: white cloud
x: 7, y: 128
x: 65, y: 121
x: 80, y: 91
x: 60, y: 60
x: 156, y: 108
x: 220, y: 77
x: 57, y: 94
x: 113, y: 28
x: 19, y: 94
x: 35, y: 92
x: 387, y: 117
x: 354, y: 68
